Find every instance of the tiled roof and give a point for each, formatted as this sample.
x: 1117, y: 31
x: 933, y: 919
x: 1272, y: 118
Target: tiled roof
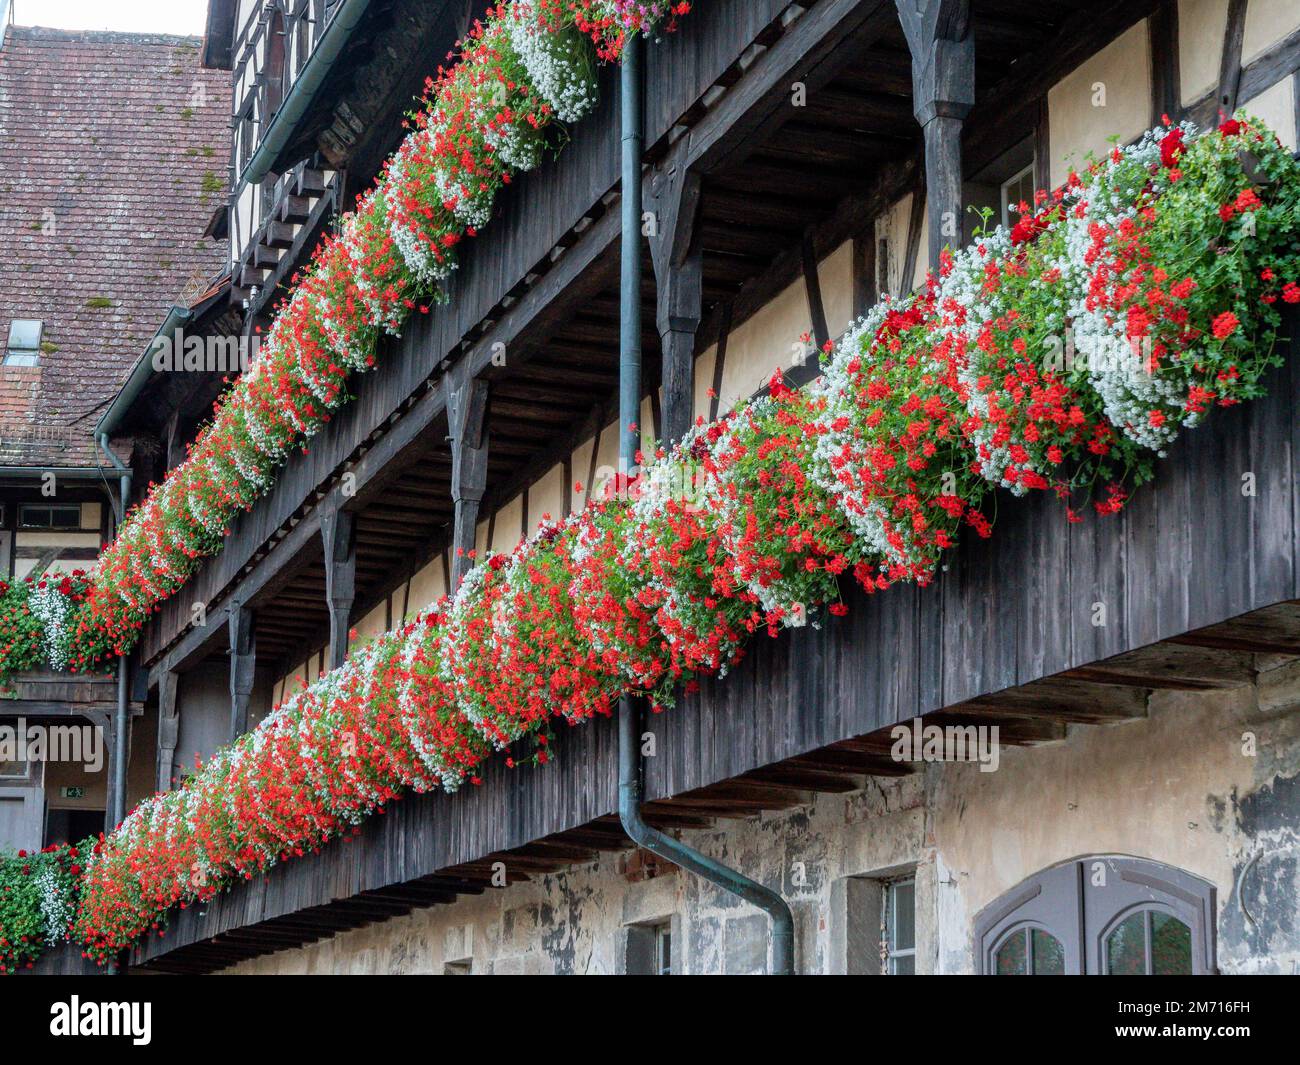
x: 114, y: 149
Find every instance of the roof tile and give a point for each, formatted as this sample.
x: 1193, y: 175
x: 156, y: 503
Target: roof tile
x: 114, y: 150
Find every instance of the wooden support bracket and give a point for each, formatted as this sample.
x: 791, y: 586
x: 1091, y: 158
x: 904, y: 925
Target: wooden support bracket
x: 679, y: 276
x: 243, y: 661
x: 168, y: 728
x: 338, y: 532
x: 467, y: 401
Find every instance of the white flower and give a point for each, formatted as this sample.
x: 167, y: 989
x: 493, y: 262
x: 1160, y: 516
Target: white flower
x: 560, y: 64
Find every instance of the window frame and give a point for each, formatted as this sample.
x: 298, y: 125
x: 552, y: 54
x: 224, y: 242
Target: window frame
x: 646, y: 947
x: 24, y: 354
x: 1026, y: 928
x: 25, y: 526
x: 889, y: 924
x: 9, y: 777
x: 245, y: 131
x: 1082, y: 901
x: 1146, y: 909
x: 663, y: 933
x: 1020, y: 175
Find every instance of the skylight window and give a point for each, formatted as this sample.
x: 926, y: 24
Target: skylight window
x: 24, y: 347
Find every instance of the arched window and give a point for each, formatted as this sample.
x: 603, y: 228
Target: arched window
x: 1103, y: 914
x: 1028, y: 950
x: 1148, y: 941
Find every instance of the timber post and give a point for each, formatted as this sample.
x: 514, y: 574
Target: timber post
x: 940, y: 38
x: 338, y: 532
x: 168, y: 728
x: 243, y: 662
x: 679, y: 273
x: 466, y: 422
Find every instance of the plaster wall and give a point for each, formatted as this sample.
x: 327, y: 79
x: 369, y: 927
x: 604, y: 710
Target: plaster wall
x: 1208, y: 782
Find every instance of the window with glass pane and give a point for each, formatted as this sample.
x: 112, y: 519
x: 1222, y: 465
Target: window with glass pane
x: 664, y: 950
x: 1030, y: 950
x: 1149, y: 943
x: 900, y: 928
x: 649, y: 948
x: 1015, y: 191
x: 49, y: 517
x: 24, y: 346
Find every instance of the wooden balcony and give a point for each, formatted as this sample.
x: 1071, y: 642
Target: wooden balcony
x: 59, y: 694
x: 1198, y: 581
x: 540, y: 283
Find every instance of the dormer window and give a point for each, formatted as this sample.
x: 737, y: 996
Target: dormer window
x: 24, y: 347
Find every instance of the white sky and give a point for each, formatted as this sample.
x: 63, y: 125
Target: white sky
x: 139, y: 16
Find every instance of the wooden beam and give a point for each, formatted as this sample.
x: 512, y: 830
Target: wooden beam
x: 679, y: 269
x: 600, y: 417
x: 813, y: 293
x: 864, y: 270
x: 941, y: 39
x: 243, y: 662
x: 803, y: 779
x: 1230, y: 58
x: 339, y: 541
x: 1166, y: 94
x: 1265, y: 70
x: 760, y: 103
x: 467, y: 401
x: 1043, y: 146
x: 1173, y: 666
x: 720, y: 358
x: 912, y: 252
x: 1252, y: 644
x: 168, y: 730
x: 1062, y: 700
x: 1273, y: 630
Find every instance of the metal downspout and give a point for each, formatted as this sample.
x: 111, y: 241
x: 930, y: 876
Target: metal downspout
x: 117, y: 797
x: 630, y: 768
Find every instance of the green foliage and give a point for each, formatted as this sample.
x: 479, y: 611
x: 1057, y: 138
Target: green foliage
x: 38, y: 900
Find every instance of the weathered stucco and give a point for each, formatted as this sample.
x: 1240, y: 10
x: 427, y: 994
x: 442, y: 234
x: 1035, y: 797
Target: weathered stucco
x: 1108, y: 96
x: 1208, y: 783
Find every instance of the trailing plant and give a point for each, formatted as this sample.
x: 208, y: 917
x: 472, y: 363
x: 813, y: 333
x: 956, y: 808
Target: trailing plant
x: 38, y: 901
x: 1062, y: 355
x: 37, y: 620
x: 520, y: 75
